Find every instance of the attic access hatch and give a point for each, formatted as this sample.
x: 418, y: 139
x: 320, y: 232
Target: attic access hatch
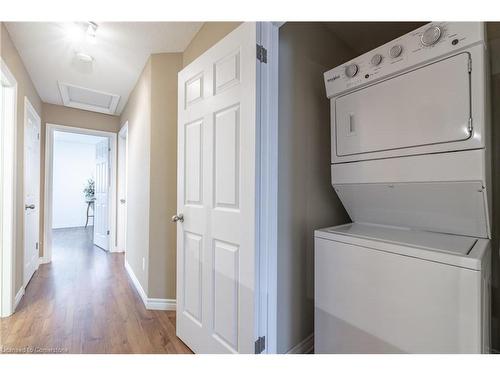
x: 88, y: 99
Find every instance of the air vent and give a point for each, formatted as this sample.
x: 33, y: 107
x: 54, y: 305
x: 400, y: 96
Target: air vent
x: 90, y: 100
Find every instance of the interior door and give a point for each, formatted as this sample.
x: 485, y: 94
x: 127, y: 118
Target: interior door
x: 101, y: 203
x: 31, y: 191
x: 217, y: 197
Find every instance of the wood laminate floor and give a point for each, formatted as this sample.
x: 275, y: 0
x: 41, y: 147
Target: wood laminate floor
x: 84, y: 302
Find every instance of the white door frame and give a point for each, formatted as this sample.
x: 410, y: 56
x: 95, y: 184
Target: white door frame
x: 122, y: 142
x: 29, y: 107
x: 8, y: 199
x: 267, y: 108
x: 49, y: 173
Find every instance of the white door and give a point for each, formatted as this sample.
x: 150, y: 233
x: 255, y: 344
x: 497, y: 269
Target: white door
x: 216, y: 240
x: 31, y: 190
x: 121, y: 239
x: 101, y: 204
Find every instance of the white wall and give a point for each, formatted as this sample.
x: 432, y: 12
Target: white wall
x: 74, y: 163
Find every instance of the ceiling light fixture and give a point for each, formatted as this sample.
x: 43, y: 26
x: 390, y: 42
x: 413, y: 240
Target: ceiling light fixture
x: 92, y: 31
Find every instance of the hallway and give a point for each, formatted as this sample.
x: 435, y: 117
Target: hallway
x: 84, y: 302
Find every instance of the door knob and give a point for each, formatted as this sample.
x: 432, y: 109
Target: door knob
x: 177, y: 218
x: 30, y: 206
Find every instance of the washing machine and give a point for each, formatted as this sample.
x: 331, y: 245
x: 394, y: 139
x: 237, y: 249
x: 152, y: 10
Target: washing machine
x: 410, y: 162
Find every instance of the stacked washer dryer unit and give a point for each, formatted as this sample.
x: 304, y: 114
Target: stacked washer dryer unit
x: 411, y: 165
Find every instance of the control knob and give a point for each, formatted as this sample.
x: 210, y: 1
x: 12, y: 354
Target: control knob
x: 351, y: 70
x: 396, y: 50
x: 376, y: 59
x: 430, y: 36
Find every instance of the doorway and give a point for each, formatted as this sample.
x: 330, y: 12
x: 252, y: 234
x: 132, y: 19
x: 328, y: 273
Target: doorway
x: 8, y: 110
x: 80, y: 188
x: 121, y: 213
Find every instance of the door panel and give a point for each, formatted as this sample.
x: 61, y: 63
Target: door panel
x: 227, y: 72
x: 216, y: 195
x: 193, y: 90
x: 194, y: 163
x: 409, y: 110
x: 225, y: 276
x: 31, y: 191
x: 226, y: 166
x: 193, y: 250
x: 101, y: 203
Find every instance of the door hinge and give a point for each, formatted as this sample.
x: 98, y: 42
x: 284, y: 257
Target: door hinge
x: 470, y: 128
x: 260, y: 344
x: 36, y: 246
x: 261, y: 54
x: 107, y: 232
x: 38, y: 136
x: 469, y: 65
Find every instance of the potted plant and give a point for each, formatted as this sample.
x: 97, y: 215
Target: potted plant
x: 89, y: 190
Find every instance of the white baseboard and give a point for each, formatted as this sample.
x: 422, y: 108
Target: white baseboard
x: 161, y: 304
x: 19, y: 295
x: 306, y: 346
x: 149, y: 303
x: 136, y: 282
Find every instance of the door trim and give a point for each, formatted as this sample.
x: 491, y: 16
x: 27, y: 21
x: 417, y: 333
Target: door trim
x: 29, y: 107
x: 122, y: 141
x: 47, y: 199
x: 8, y: 201
x: 267, y: 202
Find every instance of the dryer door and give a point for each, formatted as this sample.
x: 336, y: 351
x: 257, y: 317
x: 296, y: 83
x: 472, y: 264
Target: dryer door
x: 426, y: 106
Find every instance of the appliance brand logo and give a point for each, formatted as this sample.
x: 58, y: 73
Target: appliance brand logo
x: 333, y: 78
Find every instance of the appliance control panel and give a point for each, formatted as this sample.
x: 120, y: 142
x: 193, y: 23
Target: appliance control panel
x: 427, y: 43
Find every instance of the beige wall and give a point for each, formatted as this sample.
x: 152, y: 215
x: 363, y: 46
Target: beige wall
x: 306, y: 199
x: 163, y: 193
x: 138, y: 114
x: 78, y: 118
x: 25, y: 88
x: 151, y: 113
x: 209, y: 34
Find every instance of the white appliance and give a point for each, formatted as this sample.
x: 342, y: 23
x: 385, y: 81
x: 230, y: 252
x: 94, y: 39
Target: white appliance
x: 411, y: 165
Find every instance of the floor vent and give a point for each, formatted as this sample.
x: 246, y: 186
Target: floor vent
x: 88, y: 99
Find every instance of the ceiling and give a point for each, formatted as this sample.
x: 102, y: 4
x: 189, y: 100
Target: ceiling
x: 120, y: 51
x: 362, y: 37
x: 77, y: 138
